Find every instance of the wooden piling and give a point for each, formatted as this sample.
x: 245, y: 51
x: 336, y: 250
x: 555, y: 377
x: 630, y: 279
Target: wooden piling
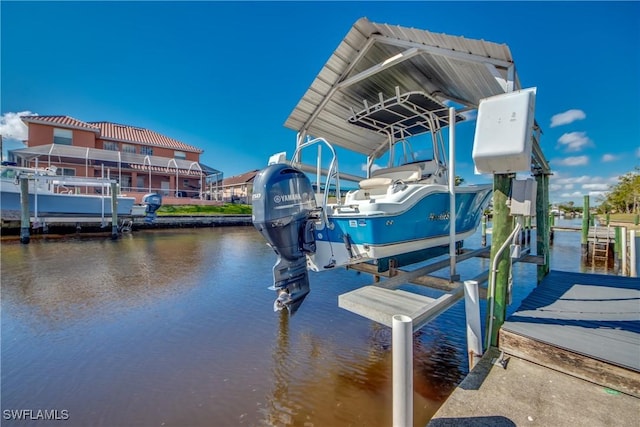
x: 584, y: 242
x: 617, y: 248
x: 24, y: 210
x: 551, y: 223
x: 543, y: 240
x: 501, y: 229
x: 484, y: 231
x: 114, y: 210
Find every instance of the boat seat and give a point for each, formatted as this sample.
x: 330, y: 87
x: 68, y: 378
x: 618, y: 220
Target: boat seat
x: 405, y: 173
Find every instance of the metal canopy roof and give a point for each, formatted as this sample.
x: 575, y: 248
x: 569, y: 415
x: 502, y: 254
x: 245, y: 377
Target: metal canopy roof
x: 375, y: 59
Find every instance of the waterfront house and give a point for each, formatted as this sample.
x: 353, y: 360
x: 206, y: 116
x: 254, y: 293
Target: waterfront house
x: 238, y: 188
x: 141, y: 160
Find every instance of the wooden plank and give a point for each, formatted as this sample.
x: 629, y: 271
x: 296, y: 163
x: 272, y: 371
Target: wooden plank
x: 580, y: 366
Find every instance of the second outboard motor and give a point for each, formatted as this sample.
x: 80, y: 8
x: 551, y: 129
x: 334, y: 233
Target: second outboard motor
x: 153, y: 202
x: 283, y: 199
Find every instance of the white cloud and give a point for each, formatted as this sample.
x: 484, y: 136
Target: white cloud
x: 12, y: 127
x: 609, y: 158
x: 374, y: 167
x: 567, y: 117
x: 573, y: 161
x: 596, y: 187
x: 571, y: 195
x: 574, y: 141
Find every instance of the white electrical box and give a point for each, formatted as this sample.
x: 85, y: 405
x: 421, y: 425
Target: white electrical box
x: 523, y: 197
x: 503, y: 138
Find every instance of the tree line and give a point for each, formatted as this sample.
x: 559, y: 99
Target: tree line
x: 623, y: 197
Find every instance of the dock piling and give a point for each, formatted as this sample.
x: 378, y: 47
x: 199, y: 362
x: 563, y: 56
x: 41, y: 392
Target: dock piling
x: 24, y: 210
x: 114, y: 210
x: 501, y: 233
x: 543, y: 234
x: 484, y: 231
x: 584, y: 242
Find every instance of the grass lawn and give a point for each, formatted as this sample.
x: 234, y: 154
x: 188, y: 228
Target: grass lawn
x: 621, y: 219
x: 226, y: 209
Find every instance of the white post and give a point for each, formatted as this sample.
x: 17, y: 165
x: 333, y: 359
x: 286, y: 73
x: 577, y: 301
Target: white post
x: 623, y: 245
x: 632, y: 254
x: 474, y: 330
x: 452, y: 194
x: 318, y: 174
x: 402, y: 360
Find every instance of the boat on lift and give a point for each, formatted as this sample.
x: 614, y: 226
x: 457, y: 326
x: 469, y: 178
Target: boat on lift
x: 386, y: 93
x: 52, y: 195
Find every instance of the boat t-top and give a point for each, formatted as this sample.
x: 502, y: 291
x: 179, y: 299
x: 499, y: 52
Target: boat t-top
x: 386, y: 93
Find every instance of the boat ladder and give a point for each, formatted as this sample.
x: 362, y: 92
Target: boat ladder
x: 601, y: 244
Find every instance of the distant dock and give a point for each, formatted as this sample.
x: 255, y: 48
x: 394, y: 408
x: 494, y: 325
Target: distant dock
x: 571, y: 356
x: 69, y: 225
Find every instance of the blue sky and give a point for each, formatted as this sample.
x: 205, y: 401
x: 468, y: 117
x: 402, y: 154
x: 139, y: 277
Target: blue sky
x: 224, y: 76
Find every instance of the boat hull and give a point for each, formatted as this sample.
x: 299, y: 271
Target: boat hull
x: 384, y: 231
x: 63, y: 205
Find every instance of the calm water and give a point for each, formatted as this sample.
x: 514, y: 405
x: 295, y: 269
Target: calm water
x: 176, y: 328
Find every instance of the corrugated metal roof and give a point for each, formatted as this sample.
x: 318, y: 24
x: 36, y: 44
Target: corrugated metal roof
x: 374, y: 59
x: 126, y: 133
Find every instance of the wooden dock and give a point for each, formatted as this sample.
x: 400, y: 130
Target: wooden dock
x: 571, y: 356
x: 586, y: 325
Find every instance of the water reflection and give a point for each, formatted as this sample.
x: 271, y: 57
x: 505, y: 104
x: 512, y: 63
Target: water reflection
x: 176, y: 327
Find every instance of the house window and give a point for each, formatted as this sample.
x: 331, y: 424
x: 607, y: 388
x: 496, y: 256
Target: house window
x: 110, y: 145
x: 128, y: 148
x: 140, y: 182
x: 180, y: 155
x: 62, y: 136
x: 146, y: 151
x: 66, y: 171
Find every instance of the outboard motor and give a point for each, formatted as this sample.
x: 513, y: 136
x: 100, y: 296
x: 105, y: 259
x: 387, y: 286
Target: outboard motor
x: 283, y: 199
x: 153, y: 202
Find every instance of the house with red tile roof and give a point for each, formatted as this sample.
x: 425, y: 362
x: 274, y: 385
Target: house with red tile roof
x: 141, y: 160
x: 238, y: 188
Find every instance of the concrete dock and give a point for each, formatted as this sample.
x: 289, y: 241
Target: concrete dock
x: 571, y: 357
x: 527, y: 394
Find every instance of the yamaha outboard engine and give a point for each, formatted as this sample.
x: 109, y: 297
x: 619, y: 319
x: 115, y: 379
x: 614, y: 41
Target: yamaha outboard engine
x: 283, y: 200
x: 153, y: 202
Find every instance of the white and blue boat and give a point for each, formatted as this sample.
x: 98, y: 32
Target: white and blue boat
x: 387, y: 93
x: 53, y: 196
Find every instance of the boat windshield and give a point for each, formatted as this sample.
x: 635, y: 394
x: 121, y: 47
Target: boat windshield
x: 419, y: 149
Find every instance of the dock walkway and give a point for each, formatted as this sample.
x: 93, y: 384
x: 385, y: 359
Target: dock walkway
x: 573, y: 358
